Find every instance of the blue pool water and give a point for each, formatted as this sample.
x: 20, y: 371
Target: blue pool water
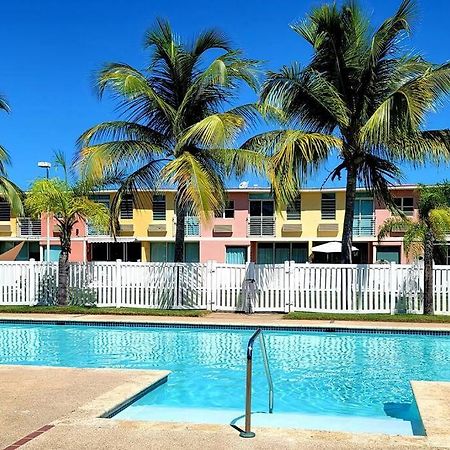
x: 321, y: 380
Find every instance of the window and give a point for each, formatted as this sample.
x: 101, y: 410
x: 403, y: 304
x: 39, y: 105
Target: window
x: 126, y: 207
x: 5, y: 211
x: 262, y: 208
x: 294, y: 210
x: 388, y: 253
x: 405, y: 204
x: 112, y: 251
x: 228, y: 211
x: 165, y: 252
x: 159, y: 207
x: 236, y: 255
x: 328, y: 206
x: 278, y: 253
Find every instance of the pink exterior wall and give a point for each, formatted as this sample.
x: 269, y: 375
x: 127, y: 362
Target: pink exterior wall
x: 382, y: 213
x: 241, y: 206
x: 79, y: 231
x: 213, y: 247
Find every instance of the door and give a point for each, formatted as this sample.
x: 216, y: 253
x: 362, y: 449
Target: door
x: 236, y: 255
x: 261, y: 218
x: 363, y: 221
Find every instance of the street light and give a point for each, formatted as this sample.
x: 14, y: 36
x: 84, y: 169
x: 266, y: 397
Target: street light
x: 46, y: 165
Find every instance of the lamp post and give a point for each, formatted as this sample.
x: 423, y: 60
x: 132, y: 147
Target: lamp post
x: 46, y: 165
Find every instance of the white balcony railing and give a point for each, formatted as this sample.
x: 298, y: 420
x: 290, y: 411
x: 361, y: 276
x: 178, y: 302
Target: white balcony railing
x: 261, y: 226
x: 29, y: 227
x: 191, y: 226
x: 364, y: 226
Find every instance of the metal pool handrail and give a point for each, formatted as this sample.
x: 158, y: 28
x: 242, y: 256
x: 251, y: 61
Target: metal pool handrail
x: 247, y: 433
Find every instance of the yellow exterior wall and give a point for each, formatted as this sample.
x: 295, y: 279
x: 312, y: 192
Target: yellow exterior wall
x: 143, y: 216
x: 311, y: 216
x: 12, y: 225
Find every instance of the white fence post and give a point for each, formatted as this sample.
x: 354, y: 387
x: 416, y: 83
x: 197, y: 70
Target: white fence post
x: 117, y: 283
x: 393, y: 287
x: 288, y: 285
x: 211, y: 283
x: 31, y: 282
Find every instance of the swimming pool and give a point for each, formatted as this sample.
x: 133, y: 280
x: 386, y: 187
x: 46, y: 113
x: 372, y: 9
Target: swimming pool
x: 325, y: 380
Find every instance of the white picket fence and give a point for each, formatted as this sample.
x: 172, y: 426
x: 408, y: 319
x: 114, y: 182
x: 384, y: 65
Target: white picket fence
x: 375, y: 288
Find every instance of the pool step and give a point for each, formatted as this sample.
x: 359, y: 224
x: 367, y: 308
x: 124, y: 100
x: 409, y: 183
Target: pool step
x: 384, y: 425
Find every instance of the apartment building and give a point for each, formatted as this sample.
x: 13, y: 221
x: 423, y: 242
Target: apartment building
x: 248, y: 229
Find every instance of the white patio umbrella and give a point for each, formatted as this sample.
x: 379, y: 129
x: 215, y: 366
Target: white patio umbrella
x: 330, y: 247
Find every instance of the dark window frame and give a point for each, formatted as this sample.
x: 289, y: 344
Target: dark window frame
x: 328, y: 206
x: 294, y: 209
x: 161, y: 213
x: 126, y: 207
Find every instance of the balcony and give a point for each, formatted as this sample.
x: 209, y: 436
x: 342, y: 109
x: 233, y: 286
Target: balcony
x: 364, y: 226
x: 261, y: 226
x: 27, y: 227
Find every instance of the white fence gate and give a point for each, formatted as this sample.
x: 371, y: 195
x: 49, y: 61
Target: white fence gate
x: 375, y: 288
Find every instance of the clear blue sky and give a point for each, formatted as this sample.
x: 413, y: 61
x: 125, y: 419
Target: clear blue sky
x: 50, y: 50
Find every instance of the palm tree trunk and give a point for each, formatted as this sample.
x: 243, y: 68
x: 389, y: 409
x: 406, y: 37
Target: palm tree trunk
x: 347, y: 232
x: 179, y: 232
x: 428, y: 273
x: 63, y: 267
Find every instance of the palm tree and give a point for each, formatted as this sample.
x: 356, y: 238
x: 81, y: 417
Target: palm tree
x: 425, y: 234
x: 176, y: 129
x: 8, y: 190
x: 362, y: 91
x: 67, y: 204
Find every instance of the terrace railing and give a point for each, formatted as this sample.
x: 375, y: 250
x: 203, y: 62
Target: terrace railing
x: 27, y: 227
x: 261, y: 226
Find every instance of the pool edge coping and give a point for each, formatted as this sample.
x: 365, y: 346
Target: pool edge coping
x: 204, y: 323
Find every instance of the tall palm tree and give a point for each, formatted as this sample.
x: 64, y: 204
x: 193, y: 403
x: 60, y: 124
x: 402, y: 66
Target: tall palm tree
x: 67, y: 203
x: 425, y: 234
x: 8, y: 190
x: 176, y: 129
x: 361, y: 89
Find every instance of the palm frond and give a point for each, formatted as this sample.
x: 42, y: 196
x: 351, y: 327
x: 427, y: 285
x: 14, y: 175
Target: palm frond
x: 4, y: 104
x: 394, y: 225
x: 431, y: 146
x: 241, y: 161
x: 121, y: 130
x: 210, y: 40
x: 404, y: 109
x: 216, y: 130
x: 97, y: 161
x: 197, y: 185
x: 128, y: 82
x: 12, y: 194
x: 305, y: 97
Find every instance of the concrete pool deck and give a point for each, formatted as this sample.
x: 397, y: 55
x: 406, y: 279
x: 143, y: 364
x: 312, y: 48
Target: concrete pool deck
x: 221, y: 318
x: 70, y: 401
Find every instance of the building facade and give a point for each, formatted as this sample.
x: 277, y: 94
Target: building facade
x: 248, y: 229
